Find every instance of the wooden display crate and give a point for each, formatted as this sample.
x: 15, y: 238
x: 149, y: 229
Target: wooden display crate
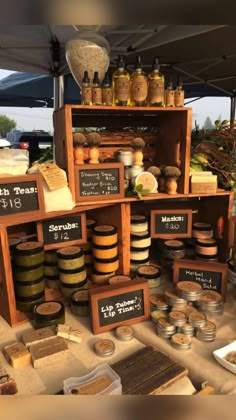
x: 169, y: 144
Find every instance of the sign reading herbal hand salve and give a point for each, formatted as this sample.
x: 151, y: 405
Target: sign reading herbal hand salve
x: 62, y: 231
x: 210, y: 275
x: 174, y: 223
x: 112, y: 306
x: 104, y: 181
x: 20, y: 195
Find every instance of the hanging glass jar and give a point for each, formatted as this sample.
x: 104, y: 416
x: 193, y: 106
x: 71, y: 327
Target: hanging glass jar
x: 87, y: 51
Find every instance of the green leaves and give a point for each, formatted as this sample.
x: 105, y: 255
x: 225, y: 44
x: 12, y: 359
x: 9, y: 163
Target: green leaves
x: 140, y: 191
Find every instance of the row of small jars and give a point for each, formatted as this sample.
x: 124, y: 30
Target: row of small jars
x: 140, y: 241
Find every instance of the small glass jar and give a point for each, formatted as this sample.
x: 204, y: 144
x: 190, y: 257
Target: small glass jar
x: 106, y: 265
x: 117, y: 280
x: 29, y: 254
x: 73, y: 276
x: 125, y: 156
x: 80, y: 303
x: 27, y: 274
x: 50, y: 256
x: 105, y: 235
x: 138, y: 223
x: 70, y: 258
x: 50, y: 269
x: 68, y: 289
x: 152, y: 273
x: 27, y: 304
x: 29, y: 289
x: 135, y: 264
x: 104, y: 252
x: 173, y: 249
x: 140, y: 240
x: 101, y: 278
x: 139, y: 254
x: 49, y: 313
x: 202, y: 230
x: 206, y: 247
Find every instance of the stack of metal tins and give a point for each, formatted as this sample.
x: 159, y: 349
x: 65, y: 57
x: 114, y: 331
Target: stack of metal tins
x: 197, y: 319
x: 212, y: 302
x: 174, y: 300
x: 165, y: 329
x: 88, y: 246
x: 140, y: 241
x: 207, y: 333
x: 159, y: 307
x: 72, y: 271
x: 181, y: 341
x: 105, y: 253
x: 189, y: 290
x: 51, y: 269
x: 28, y: 274
x: 177, y: 318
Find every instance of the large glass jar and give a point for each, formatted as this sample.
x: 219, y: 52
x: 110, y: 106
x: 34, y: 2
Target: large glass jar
x: 87, y: 51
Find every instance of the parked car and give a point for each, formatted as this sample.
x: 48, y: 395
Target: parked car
x: 5, y: 144
x: 34, y: 141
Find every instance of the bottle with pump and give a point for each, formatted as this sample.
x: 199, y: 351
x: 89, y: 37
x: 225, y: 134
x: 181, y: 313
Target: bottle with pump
x: 86, y: 90
x: 169, y: 94
x: 107, y: 93
x: 179, y: 93
x: 96, y: 90
x: 139, y: 85
x: 121, y: 85
x: 156, y: 86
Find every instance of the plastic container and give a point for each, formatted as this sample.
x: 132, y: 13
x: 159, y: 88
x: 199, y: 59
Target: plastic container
x: 173, y: 249
x: 140, y: 240
x: 151, y: 273
x: 49, y: 313
x: 106, y: 265
x: 202, y: 230
x: 70, y: 258
x: 141, y: 254
x: 29, y: 254
x: 135, y: 264
x: 115, y: 388
x: 52, y: 282
x: 80, y: 303
x: 117, y: 280
x: 101, y: 278
x: 27, y: 304
x: 206, y: 247
x: 105, y: 235
x: 50, y: 256
x: 29, y: 289
x: 73, y: 276
x: 104, y: 252
x: 138, y: 223
x: 28, y: 274
x: 68, y: 289
x: 50, y: 269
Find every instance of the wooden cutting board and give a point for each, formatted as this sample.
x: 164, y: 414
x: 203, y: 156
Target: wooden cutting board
x: 148, y: 372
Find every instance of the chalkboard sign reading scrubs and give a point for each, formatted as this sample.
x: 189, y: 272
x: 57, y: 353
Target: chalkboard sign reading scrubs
x: 210, y: 275
x: 20, y: 195
x: 62, y: 231
x: 104, y: 181
x: 112, y: 306
x: 174, y: 223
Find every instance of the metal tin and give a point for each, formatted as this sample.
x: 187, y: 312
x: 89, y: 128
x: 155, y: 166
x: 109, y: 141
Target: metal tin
x: 207, y: 333
x: 157, y: 314
x: 177, y: 318
x: 187, y: 329
x: 124, y: 333
x: 189, y: 290
x: 68, y: 289
x: 197, y: 319
x: 158, y: 302
x: 173, y: 299
x: 165, y: 329
x: 181, y: 341
x: 104, y: 348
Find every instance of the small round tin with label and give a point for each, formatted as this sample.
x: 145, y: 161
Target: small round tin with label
x: 27, y: 304
x: 29, y: 254
x: 30, y: 288
x: 138, y: 223
x: 117, y: 280
x: 80, y: 303
x: 165, y: 329
x: 105, y: 235
x: 177, y: 318
x: 124, y: 333
x: 107, y: 265
x: 104, y: 348
x: 197, y: 319
x: 70, y: 258
x: 187, y: 329
x: 173, y: 298
x: 181, y: 341
x: 26, y: 274
x: 105, y: 252
x: 101, y: 278
x: 189, y: 290
x: 158, y: 301
x: 49, y: 313
x: 202, y: 230
x: 151, y: 273
x: 207, y: 333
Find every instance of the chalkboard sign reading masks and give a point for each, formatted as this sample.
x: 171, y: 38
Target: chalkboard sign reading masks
x: 174, y: 223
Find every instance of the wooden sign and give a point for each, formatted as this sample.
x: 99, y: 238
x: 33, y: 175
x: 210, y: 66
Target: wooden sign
x: 104, y: 181
x: 210, y: 275
x: 21, y: 195
x: 112, y: 306
x: 62, y: 231
x: 171, y: 223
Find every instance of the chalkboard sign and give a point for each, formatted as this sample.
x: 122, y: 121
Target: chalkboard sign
x: 20, y: 195
x: 210, y: 275
x: 112, y: 306
x: 104, y: 181
x: 62, y: 231
x: 171, y: 223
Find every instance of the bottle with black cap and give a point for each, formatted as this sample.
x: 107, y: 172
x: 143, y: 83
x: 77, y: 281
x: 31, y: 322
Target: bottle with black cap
x: 96, y: 90
x: 121, y: 84
x: 179, y: 93
x: 139, y: 85
x: 86, y: 90
x: 107, y: 94
x: 156, y: 86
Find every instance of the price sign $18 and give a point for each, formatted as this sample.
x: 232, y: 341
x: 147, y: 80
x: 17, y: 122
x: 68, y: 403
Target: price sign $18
x: 13, y: 203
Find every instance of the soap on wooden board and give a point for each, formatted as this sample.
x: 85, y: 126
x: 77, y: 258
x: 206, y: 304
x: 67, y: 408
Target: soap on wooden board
x: 37, y: 336
x: 70, y: 333
x: 7, y: 384
x: 47, y: 352
x: 17, y: 354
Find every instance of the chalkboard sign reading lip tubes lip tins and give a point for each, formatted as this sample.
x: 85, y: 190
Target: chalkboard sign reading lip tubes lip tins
x: 62, y: 231
x: 21, y: 195
x: 174, y: 223
x: 210, y: 275
x: 104, y: 181
x: 112, y: 306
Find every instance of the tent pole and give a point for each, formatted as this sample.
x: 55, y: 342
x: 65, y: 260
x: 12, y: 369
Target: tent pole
x: 61, y: 91
x: 232, y: 110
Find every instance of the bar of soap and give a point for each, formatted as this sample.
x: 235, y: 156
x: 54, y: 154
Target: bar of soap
x: 70, y: 333
x: 47, y: 352
x: 92, y: 387
x: 7, y: 384
x: 17, y: 354
x: 37, y: 336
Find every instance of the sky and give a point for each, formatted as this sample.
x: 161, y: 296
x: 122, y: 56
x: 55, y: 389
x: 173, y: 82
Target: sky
x: 41, y: 118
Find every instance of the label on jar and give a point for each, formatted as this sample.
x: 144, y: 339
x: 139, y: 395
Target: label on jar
x: 97, y: 96
x: 93, y: 387
x: 122, y: 88
x: 170, y: 98
x: 107, y: 95
x: 179, y: 98
x: 86, y: 94
x: 139, y: 88
x: 156, y: 90
x: 48, y: 308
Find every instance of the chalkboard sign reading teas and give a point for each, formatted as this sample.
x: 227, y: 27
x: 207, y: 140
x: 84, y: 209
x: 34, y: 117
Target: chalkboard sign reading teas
x: 104, y: 181
x: 210, y: 275
x: 174, y: 223
x: 116, y: 305
x: 62, y: 231
x: 20, y: 195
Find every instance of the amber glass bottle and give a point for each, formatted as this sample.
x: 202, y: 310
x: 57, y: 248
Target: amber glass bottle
x: 139, y: 85
x: 121, y: 84
x: 156, y: 86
